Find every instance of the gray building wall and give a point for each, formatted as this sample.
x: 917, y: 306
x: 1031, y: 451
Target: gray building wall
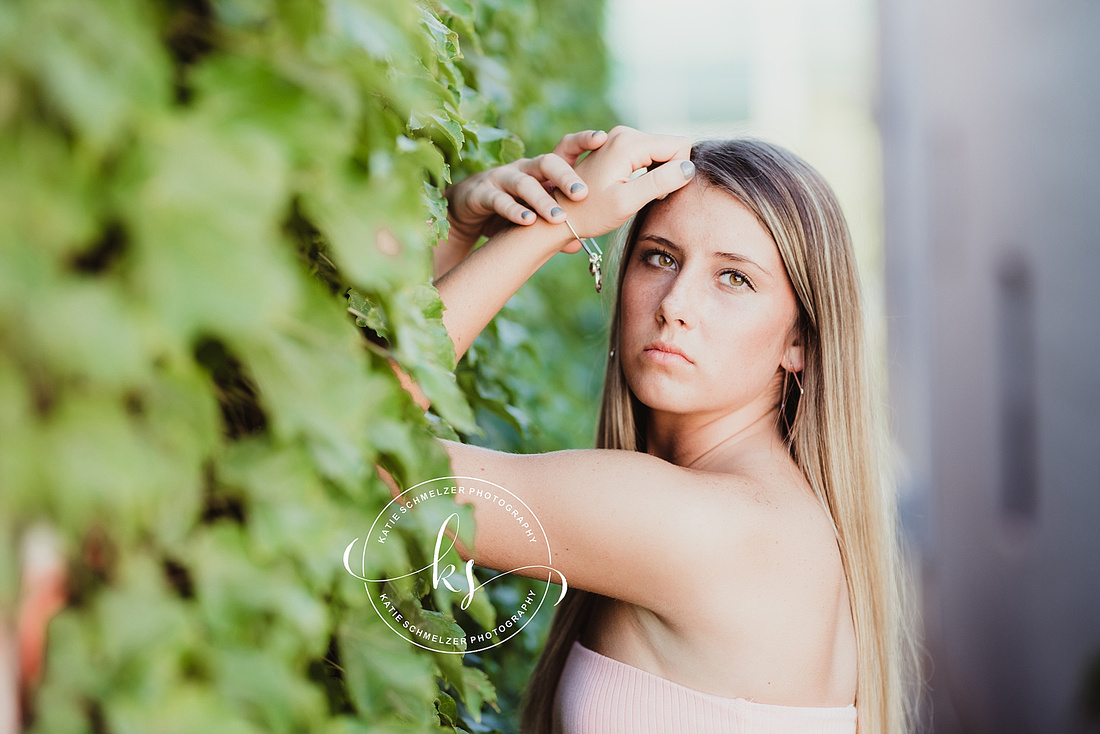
x: 990, y: 116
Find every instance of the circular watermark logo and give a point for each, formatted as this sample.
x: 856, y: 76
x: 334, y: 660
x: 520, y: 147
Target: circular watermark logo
x: 437, y: 502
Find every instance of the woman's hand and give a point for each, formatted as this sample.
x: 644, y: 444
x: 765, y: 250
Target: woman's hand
x: 614, y: 193
x: 517, y: 193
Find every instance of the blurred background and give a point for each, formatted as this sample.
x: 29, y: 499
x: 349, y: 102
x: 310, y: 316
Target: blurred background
x: 963, y: 140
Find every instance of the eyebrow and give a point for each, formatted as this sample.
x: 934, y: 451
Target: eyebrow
x: 736, y: 257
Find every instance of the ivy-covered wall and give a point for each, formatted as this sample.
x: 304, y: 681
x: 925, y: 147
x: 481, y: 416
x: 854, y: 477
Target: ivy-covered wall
x: 217, y: 223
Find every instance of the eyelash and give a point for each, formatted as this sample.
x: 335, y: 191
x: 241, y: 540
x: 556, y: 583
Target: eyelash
x: 657, y: 251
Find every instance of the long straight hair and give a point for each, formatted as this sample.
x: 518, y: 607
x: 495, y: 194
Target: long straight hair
x: 833, y: 431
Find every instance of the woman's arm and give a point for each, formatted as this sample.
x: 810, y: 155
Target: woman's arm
x: 478, y: 287
x: 475, y: 289
x: 623, y: 524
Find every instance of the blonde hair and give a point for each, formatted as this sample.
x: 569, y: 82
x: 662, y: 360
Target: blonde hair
x: 833, y: 431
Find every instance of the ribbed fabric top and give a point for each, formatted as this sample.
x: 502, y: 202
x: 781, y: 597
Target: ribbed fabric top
x: 601, y: 695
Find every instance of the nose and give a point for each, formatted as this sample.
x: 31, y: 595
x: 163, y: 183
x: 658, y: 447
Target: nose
x: 677, y: 304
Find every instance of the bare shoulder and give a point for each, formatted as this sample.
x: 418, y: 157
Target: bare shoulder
x: 793, y: 539
x: 768, y: 618
x: 783, y: 563
x: 779, y: 621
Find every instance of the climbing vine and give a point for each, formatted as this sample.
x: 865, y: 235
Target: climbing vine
x: 218, y: 221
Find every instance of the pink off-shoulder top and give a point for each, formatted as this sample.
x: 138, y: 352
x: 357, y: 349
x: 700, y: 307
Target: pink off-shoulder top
x: 601, y: 695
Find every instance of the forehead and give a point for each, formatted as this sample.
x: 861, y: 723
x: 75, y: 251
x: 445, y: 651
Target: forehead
x: 703, y: 219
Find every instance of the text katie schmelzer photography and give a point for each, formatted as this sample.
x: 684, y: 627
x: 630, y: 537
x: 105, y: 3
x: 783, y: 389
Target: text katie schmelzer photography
x: 438, y: 504
x: 461, y: 489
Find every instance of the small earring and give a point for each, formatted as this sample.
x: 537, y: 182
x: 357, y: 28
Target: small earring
x: 611, y: 353
x: 783, y: 403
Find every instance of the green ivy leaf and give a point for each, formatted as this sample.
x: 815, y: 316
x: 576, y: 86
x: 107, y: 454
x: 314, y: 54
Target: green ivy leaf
x: 367, y: 314
x: 384, y: 673
x: 426, y: 350
x: 479, y: 691
x: 101, y: 64
x: 445, y: 40
x: 448, y: 709
x: 203, y: 244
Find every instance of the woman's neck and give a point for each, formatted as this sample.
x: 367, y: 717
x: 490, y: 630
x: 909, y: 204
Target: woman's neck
x: 724, y: 442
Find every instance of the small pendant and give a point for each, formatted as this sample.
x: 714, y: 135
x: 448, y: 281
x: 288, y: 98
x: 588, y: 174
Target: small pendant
x: 594, y: 262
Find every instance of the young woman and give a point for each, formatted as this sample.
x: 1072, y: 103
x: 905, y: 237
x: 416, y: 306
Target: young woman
x: 730, y: 545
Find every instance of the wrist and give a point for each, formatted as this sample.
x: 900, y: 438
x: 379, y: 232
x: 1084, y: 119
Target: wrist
x: 575, y: 215
x: 555, y: 237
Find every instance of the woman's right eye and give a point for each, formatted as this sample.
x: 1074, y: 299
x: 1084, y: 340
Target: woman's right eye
x: 660, y: 258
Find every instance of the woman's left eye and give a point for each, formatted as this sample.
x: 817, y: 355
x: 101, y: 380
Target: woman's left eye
x: 737, y: 279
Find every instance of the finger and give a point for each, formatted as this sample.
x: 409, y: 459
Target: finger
x: 572, y: 247
x: 532, y: 193
x: 659, y: 182
x: 503, y: 204
x: 643, y: 150
x: 554, y: 169
x: 572, y: 146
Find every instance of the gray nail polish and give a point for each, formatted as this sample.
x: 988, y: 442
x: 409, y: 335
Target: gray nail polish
x: 595, y: 133
x: 688, y: 169
x: 576, y: 187
x: 526, y: 215
x: 557, y: 211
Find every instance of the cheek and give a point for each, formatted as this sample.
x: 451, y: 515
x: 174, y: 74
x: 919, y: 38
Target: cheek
x: 746, y: 341
x: 636, y: 305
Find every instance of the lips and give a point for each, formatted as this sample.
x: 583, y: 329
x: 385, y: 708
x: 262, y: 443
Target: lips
x: 666, y: 353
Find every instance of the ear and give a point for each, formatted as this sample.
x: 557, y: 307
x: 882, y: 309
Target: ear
x: 793, y: 355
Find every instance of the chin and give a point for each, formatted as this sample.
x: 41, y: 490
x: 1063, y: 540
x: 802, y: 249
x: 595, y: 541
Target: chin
x: 658, y: 397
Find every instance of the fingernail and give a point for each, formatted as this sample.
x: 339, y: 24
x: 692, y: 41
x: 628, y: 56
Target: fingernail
x: 557, y: 211
x: 688, y: 169
x: 576, y: 187
x: 526, y: 215
x: 596, y: 132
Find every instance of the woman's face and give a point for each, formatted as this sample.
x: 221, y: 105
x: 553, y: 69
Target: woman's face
x: 706, y: 279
